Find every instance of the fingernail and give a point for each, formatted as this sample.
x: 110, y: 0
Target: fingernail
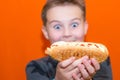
x: 86, y: 57
x: 89, y: 61
x: 93, y: 59
x: 72, y: 58
x: 84, y: 60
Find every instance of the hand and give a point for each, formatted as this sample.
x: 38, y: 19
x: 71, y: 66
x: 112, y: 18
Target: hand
x: 66, y: 68
x: 80, y: 69
x: 87, y: 69
x: 62, y: 70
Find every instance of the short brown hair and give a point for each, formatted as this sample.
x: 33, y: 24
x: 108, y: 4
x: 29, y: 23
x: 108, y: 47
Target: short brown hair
x: 53, y: 3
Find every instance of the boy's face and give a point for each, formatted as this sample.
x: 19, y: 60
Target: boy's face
x: 65, y: 23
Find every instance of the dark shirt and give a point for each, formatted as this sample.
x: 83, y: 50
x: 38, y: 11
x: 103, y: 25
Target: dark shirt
x: 45, y: 69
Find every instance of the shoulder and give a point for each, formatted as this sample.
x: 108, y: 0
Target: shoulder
x: 43, y: 66
x: 41, y: 63
x: 36, y: 64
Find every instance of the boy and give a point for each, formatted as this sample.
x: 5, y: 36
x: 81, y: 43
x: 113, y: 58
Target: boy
x: 64, y: 20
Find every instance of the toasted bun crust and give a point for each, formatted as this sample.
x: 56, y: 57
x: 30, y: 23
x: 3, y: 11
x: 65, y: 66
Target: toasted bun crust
x: 64, y: 50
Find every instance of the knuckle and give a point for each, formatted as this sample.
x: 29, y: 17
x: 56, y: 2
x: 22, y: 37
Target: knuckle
x: 73, y: 65
x: 60, y: 64
x: 92, y: 72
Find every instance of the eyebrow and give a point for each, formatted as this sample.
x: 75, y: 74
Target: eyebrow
x: 76, y: 19
x: 53, y: 21
x: 60, y: 22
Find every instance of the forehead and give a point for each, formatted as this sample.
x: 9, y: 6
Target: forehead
x: 64, y: 12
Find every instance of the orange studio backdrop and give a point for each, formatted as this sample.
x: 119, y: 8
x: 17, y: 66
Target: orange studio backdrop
x: 21, y: 39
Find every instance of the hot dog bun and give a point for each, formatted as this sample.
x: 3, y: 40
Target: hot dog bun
x: 63, y: 50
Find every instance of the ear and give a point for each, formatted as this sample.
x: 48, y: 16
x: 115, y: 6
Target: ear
x: 45, y: 33
x: 86, y: 27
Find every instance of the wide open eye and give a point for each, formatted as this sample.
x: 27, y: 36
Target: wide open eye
x: 57, y: 26
x: 75, y: 24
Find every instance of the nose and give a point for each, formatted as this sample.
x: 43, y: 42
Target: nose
x: 67, y: 33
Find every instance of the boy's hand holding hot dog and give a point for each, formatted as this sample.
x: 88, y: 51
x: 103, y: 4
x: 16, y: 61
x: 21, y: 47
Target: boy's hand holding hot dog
x: 80, y: 69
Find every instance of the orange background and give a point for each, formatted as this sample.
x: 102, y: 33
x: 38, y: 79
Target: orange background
x: 21, y: 40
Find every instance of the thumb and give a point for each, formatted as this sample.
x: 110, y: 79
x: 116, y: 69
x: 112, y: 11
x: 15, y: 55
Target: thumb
x: 66, y: 62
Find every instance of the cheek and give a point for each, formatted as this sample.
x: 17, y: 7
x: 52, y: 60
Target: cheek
x: 54, y: 37
x: 79, y: 34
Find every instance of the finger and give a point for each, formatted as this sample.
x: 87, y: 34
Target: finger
x: 83, y: 71
x: 76, y: 63
x: 79, y: 75
x: 95, y: 64
x: 75, y: 77
x: 67, y: 62
x: 76, y: 71
x: 89, y: 67
x: 82, y: 78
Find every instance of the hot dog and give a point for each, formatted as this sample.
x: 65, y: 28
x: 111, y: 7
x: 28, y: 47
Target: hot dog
x: 63, y: 50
